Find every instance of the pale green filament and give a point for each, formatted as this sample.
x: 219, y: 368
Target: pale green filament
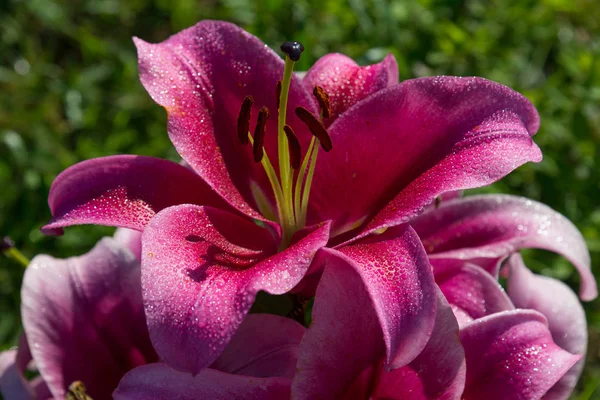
x: 309, y: 177
x: 266, y: 163
x: 300, y: 181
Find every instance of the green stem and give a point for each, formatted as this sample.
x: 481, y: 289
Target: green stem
x: 17, y: 256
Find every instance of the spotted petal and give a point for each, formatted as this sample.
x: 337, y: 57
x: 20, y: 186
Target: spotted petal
x: 566, y: 317
x: 511, y: 355
x: 201, y: 270
x: 201, y: 75
x: 402, y: 147
x: 489, y: 228
x: 123, y: 191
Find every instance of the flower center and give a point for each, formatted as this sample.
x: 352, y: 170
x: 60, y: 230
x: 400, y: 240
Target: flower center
x: 291, y: 196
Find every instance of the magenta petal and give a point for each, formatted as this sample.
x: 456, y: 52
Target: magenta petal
x: 84, y: 319
x: 201, y: 75
x: 12, y: 383
x: 558, y: 303
x: 402, y: 147
x: 494, y: 226
x: 264, y: 346
x: 131, y: 239
x: 347, y: 83
x: 438, y: 372
x: 161, y: 382
x: 511, y: 355
x: 399, y: 279
x: 124, y: 191
x: 345, y: 336
x: 473, y: 290
x: 201, y: 270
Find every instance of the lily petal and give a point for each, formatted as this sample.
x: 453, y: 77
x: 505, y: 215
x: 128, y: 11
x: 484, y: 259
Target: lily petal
x: 398, y: 276
x: 201, y: 76
x: 12, y: 383
x: 131, y: 239
x: 511, y: 355
x: 566, y: 318
x: 438, y: 372
x: 399, y: 149
x: 84, y: 319
x: 201, y: 270
x: 264, y: 346
x: 347, y: 83
x: 161, y: 382
x: 493, y: 227
x: 473, y: 291
x: 124, y: 190
x: 344, y: 338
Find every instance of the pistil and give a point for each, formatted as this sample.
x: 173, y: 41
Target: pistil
x: 292, y: 200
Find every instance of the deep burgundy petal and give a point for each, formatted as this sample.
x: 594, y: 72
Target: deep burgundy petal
x: 566, y: 317
x: 84, y: 319
x: 437, y: 373
x: 264, y: 346
x: 124, y: 191
x: 492, y: 227
x: 511, y: 355
x: 201, y: 75
x: 399, y: 279
x: 472, y: 290
x: 347, y: 83
x: 344, y: 338
x: 402, y: 147
x: 201, y: 270
x: 161, y: 382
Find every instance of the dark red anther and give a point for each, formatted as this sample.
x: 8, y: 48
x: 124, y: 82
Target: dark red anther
x: 294, y: 146
x: 259, y: 134
x: 316, y: 127
x: 278, y: 92
x: 323, y: 99
x: 243, y: 122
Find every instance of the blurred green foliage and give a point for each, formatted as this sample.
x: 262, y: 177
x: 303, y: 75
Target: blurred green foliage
x: 70, y: 91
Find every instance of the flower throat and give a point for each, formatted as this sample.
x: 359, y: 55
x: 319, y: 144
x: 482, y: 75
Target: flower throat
x: 291, y: 197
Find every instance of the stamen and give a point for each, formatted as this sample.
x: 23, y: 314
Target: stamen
x: 243, y: 123
x: 323, y: 99
x: 259, y: 134
x: 7, y: 247
x: 316, y: 127
x: 293, y: 50
x: 278, y: 92
x: 294, y: 146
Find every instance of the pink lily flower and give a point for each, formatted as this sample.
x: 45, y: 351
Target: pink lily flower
x: 503, y: 353
x: 468, y: 241
x: 83, y: 320
x: 243, y: 219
